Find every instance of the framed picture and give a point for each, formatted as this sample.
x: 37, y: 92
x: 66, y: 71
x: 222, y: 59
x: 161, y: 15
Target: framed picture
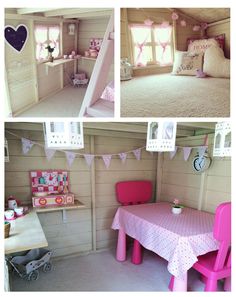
x: 161, y: 136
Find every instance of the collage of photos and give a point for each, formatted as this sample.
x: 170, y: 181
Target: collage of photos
x: 117, y: 144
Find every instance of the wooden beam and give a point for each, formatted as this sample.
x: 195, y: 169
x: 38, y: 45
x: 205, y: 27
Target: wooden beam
x: 198, y: 125
x: 75, y: 11
x: 219, y: 22
x: 32, y: 10
x: 93, y: 194
x: 90, y: 15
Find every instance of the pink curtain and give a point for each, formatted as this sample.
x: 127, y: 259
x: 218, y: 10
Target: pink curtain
x: 141, y: 34
x: 163, y: 34
x: 41, y: 37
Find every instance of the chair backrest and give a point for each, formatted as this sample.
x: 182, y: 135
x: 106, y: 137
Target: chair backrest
x: 134, y: 192
x: 222, y: 232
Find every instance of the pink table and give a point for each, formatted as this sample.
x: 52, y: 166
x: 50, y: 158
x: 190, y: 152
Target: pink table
x: 179, y: 239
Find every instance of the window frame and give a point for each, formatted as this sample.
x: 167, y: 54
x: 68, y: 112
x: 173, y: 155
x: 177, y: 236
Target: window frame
x: 152, y: 44
x: 48, y: 25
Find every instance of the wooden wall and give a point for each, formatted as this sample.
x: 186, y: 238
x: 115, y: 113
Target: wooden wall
x: 179, y: 180
x: 76, y: 235
x: 221, y: 28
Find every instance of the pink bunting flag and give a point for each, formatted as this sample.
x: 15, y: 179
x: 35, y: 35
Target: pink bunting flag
x: 173, y: 153
x: 107, y: 160
x: 70, y: 157
x: 187, y: 152
x: 123, y: 157
x: 26, y: 145
x: 49, y: 153
x: 201, y: 150
x: 137, y: 153
x: 89, y: 159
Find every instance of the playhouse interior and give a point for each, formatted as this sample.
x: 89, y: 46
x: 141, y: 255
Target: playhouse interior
x: 177, y: 57
x: 80, y: 236
x: 79, y: 81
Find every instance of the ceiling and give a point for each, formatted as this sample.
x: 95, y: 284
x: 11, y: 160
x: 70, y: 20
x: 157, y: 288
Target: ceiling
x: 131, y: 130
x: 208, y: 15
x: 64, y: 13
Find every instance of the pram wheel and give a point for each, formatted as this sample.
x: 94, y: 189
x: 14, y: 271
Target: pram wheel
x: 34, y: 275
x: 47, y: 267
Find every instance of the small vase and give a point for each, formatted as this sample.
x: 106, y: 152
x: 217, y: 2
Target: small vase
x: 176, y: 210
x: 51, y: 58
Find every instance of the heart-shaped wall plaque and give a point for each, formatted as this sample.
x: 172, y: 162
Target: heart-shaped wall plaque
x: 16, y: 37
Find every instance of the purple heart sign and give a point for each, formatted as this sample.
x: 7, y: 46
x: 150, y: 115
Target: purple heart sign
x: 16, y: 37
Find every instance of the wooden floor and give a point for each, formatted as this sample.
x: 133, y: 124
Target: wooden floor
x: 65, y: 103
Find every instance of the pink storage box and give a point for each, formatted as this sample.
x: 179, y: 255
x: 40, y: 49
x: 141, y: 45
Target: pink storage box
x: 53, y: 200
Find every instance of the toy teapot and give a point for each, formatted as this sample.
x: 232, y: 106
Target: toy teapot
x: 12, y: 202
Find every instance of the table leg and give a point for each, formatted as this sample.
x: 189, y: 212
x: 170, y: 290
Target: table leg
x: 180, y: 285
x: 121, y: 246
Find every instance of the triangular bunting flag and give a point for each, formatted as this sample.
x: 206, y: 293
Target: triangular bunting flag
x: 173, y: 153
x: 26, y: 145
x: 123, y: 157
x: 70, y: 156
x: 107, y: 160
x: 137, y: 153
x: 89, y: 159
x: 187, y: 152
x: 201, y: 151
x: 49, y: 153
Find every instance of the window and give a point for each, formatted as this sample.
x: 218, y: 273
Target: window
x: 47, y: 35
x: 152, y: 44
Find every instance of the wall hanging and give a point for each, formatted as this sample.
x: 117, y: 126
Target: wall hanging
x: 161, y: 136
x: 64, y: 135
x: 16, y: 37
x: 222, y: 140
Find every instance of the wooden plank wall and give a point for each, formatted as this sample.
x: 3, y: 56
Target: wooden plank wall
x: 158, y: 15
x: 20, y: 71
x: 75, y: 236
x: 179, y: 180
x: 93, y: 28
x: 221, y: 28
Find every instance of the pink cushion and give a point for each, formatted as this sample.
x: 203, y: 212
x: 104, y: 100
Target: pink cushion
x: 108, y: 93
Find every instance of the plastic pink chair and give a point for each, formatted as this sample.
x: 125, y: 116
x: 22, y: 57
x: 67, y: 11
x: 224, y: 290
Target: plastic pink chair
x: 130, y: 193
x: 217, y: 265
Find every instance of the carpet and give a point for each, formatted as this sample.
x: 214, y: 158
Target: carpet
x: 167, y: 95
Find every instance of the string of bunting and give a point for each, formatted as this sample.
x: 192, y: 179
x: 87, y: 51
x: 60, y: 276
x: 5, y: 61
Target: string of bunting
x: 27, y: 145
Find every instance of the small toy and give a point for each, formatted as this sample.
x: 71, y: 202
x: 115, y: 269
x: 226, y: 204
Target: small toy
x: 200, y: 74
x: 80, y: 79
x: 27, y: 266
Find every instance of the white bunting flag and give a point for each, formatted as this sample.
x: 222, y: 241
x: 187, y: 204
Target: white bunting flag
x: 173, y: 153
x: 107, y: 160
x: 123, y: 157
x: 49, y: 153
x: 26, y: 145
x: 89, y: 159
x: 187, y: 152
x: 70, y: 156
x: 137, y: 153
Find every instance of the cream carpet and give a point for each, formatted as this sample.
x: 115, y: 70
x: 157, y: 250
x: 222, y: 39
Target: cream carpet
x: 101, y: 272
x: 65, y: 103
x: 175, y: 96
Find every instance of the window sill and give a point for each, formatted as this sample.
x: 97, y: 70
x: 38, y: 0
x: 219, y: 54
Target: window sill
x: 151, y: 66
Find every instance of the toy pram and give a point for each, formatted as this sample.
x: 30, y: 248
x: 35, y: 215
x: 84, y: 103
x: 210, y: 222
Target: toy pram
x: 27, y: 266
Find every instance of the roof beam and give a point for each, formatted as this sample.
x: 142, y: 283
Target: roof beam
x: 73, y: 11
x: 89, y: 15
x: 199, y: 125
x: 32, y: 10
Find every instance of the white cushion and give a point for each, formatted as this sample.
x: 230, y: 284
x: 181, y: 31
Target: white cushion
x: 215, y: 63
x: 186, y: 63
x: 201, y: 45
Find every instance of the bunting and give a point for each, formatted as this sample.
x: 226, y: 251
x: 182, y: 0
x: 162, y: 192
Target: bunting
x: 49, y: 153
x: 70, y: 157
x: 26, y: 145
x: 107, y: 160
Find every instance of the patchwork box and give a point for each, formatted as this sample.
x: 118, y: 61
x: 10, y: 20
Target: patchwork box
x: 50, y: 188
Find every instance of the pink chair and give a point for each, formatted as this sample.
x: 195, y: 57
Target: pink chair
x: 130, y: 193
x: 217, y: 265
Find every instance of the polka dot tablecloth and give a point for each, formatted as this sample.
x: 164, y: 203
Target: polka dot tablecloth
x: 178, y: 238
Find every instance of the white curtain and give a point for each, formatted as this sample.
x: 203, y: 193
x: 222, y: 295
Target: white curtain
x: 41, y: 37
x: 163, y: 42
